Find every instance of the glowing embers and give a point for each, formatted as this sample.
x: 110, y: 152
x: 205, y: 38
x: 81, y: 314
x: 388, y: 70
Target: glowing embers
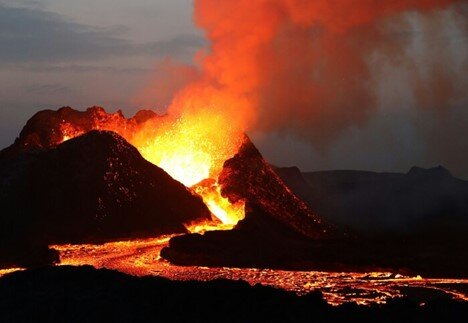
x: 180, y: 150
x: 69, y: 131
x: 9, y: 270
x: 191, y: 148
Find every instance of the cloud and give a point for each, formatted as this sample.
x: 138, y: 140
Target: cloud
x: 29, y: 34
x: 36, y: 35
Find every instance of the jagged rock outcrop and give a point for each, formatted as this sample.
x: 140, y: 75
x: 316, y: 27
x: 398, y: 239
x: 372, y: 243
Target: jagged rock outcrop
x: 249, y: 177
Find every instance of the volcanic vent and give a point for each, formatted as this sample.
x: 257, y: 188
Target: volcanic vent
x: 191, y: 150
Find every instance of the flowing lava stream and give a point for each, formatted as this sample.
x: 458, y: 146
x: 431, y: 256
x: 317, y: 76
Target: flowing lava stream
x: 141, y: 257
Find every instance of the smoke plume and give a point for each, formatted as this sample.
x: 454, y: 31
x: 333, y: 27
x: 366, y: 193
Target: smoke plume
x: 306, y: 66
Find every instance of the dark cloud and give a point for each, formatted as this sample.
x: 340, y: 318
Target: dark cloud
x: 35, y: 35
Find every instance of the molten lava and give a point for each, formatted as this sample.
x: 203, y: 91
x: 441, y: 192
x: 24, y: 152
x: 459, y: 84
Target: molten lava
x: 191, y: 148
x: 229, y: 213
x: 141, y: 258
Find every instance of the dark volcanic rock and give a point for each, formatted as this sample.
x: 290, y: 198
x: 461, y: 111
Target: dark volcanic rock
x: 84, y: 294
x: 94, y: 187
x: 257, y: 241
x: 249, y: 177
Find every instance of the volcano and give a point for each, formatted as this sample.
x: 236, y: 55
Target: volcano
x: 91, y: 176
x: 84, y: 182
x: 189, y: 149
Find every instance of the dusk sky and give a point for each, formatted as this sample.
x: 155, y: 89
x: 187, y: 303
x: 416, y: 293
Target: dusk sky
x: 109, y: 52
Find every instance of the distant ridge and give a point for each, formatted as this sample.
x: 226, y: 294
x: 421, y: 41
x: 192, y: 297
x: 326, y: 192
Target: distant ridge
x: 373, y: 202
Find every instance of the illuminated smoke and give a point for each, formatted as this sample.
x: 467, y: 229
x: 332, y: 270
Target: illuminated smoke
x: 299, y: 66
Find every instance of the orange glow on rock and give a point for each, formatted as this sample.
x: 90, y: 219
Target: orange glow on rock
x: 191, y: 148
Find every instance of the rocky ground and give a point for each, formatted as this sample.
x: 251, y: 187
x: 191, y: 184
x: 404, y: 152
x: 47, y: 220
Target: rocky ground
x: 84, y: 294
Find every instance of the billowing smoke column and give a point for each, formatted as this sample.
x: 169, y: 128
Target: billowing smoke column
x: 291, y: 64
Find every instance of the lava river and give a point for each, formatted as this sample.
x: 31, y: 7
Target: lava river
x: 141, y: 257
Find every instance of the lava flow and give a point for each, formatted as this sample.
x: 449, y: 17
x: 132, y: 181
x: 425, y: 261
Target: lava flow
x: 141, y: 258
x: 191, y: 148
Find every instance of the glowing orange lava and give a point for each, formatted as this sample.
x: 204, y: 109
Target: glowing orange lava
x: 141, y: 257
x: 191, y: 148
x: 68, y: 131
